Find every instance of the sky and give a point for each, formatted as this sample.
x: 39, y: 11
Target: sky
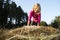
x: 49, y: 8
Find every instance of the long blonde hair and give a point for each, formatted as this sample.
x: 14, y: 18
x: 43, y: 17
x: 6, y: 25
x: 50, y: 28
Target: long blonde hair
x: 37, y: 7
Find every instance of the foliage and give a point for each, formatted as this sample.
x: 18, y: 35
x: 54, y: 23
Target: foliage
x: 10, y: 12
x: 43, y: 23
x: 56, y: 22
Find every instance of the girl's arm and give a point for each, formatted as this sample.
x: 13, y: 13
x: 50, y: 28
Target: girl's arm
x: 39, y: 19
x: 29, y: 18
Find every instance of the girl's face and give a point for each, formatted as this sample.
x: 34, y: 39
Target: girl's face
x: 36, y: 8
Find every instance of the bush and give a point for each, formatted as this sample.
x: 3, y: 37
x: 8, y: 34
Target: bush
x: 43, y: 23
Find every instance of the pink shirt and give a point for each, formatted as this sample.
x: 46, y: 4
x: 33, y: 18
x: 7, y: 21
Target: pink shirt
x: 36, y: 17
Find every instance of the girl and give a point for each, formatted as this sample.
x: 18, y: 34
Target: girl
x: 35, y: 15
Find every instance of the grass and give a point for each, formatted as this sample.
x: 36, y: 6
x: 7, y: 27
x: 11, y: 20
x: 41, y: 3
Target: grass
x: 30, y: 33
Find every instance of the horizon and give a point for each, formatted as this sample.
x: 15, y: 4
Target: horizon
x: 49, y: 8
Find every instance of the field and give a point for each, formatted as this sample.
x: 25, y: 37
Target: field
x: 30, y: 33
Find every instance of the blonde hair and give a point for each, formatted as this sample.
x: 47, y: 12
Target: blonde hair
x: 37, y: 7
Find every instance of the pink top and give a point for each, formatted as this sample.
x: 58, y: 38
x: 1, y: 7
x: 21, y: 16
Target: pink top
x: 36, y: 17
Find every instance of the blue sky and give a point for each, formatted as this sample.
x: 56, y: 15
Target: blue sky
x: 49, y: 8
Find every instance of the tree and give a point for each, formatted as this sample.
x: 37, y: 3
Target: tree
x: 43, y: 23
x: 56, y: 22
x: 11, y: 14
x: 0, y: 7
x: 5, y: 9
x: 16, y: 14
x: 4, y: 5
x: 1, y: 12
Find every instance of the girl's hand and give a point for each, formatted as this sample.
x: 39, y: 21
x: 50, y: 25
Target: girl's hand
x: 28, y: 23
x: 38, y: 24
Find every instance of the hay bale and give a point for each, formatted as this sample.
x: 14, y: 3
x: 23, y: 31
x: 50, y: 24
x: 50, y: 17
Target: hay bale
x: 31, y: 32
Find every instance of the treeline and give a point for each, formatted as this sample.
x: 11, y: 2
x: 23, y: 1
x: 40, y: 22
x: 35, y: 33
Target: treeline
x: 54, y: 23
x: 11, y: 15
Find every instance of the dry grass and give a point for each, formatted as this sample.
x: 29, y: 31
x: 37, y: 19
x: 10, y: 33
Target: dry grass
x: 31, y: 33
